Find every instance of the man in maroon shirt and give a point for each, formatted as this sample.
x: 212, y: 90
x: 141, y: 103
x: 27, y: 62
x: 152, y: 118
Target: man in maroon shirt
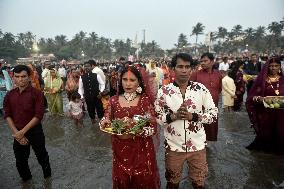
x: 24, y: 110
x: 212, y: 80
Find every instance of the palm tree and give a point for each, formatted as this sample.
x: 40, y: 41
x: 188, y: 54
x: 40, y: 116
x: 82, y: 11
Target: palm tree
x: 21, y: 38
x: 78, y: 44
x: 42, y: 45
x: 197, y: 30
x: 182, y: 41
x: 60, y: 40
x: 91, y: 45
x: 93, y: 39
x: 231, y: 36
x: 236, y: 31
x: 28, y: 40
x: 249, y: 32
x: 82, y: 35
x: 7, y: 46
x: 282, y: 21
x: 222, y: 33
x: 79, y: 38
x: 151, y: 49
x: 259, y: 32
x: 119, y: 48
x: 50, y: 46
x: 104, y: 47
x: 153, y: 45
x: 260, y: 41
x: 130, y: 47
x: 275, y: 28
x: 213, y: 36
x: 8, y: 39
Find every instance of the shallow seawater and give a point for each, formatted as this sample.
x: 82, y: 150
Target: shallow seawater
x: 82, y: 158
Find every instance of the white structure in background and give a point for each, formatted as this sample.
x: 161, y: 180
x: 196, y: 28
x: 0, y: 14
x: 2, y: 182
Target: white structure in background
x: 35, y: 46
x: 208, y: 41
x: 137, y: 46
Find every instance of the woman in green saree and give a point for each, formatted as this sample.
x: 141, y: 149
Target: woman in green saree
x: 52, y: 88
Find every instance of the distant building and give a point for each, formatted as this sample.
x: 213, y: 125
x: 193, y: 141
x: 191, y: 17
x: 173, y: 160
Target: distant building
x: 36, y: 59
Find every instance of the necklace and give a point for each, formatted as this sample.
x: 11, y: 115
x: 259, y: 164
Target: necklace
x: 276, y: 79
x: 273, y: 79
x: 130, y: 96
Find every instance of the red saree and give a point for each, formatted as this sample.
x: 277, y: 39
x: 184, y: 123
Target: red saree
x: 134, y: 160
x: 268, y: 123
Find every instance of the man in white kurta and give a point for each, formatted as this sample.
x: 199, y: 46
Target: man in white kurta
x: 228, y: 92
x: 224, y: 65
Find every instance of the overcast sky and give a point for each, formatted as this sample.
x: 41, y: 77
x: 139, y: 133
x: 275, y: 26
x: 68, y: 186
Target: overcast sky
x: 163, y: 20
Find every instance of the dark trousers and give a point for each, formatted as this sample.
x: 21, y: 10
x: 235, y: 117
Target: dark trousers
x: 249, y: 85
x: 94, y: 105
x: 22, y: 152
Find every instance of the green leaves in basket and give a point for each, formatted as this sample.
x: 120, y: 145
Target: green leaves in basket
x: 136, y: 129
x: 118, y: 126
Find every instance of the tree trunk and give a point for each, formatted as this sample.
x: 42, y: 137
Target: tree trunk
x: 196, y: 44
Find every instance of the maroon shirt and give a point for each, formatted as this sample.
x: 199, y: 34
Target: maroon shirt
x: 22, y: 107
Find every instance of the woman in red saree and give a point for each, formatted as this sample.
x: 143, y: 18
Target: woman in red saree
x: 134, y: 160
x: 267, y: 122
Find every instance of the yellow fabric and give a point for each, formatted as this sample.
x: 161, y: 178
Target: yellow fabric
x: 105, y: 101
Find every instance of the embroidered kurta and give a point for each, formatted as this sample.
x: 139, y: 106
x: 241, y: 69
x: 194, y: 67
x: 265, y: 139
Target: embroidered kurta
x: 213, y: 82
x: 183, y: 135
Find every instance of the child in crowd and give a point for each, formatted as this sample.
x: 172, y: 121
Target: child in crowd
x: 75, y: 107
x: 228, y: 91
x: 105, y: 95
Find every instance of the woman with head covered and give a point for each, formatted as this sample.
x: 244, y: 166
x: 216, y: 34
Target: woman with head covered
x: 267, y: 122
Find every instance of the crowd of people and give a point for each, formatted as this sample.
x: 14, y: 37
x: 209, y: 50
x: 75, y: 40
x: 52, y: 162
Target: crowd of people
x: 180, y: 95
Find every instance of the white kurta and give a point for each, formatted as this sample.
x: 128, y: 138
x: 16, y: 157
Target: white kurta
x: 228, y: 91
x: 224, y: 66
x: 100, y: 72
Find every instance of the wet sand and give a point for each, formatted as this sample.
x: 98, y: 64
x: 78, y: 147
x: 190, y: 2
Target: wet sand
x: 82, y: 158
